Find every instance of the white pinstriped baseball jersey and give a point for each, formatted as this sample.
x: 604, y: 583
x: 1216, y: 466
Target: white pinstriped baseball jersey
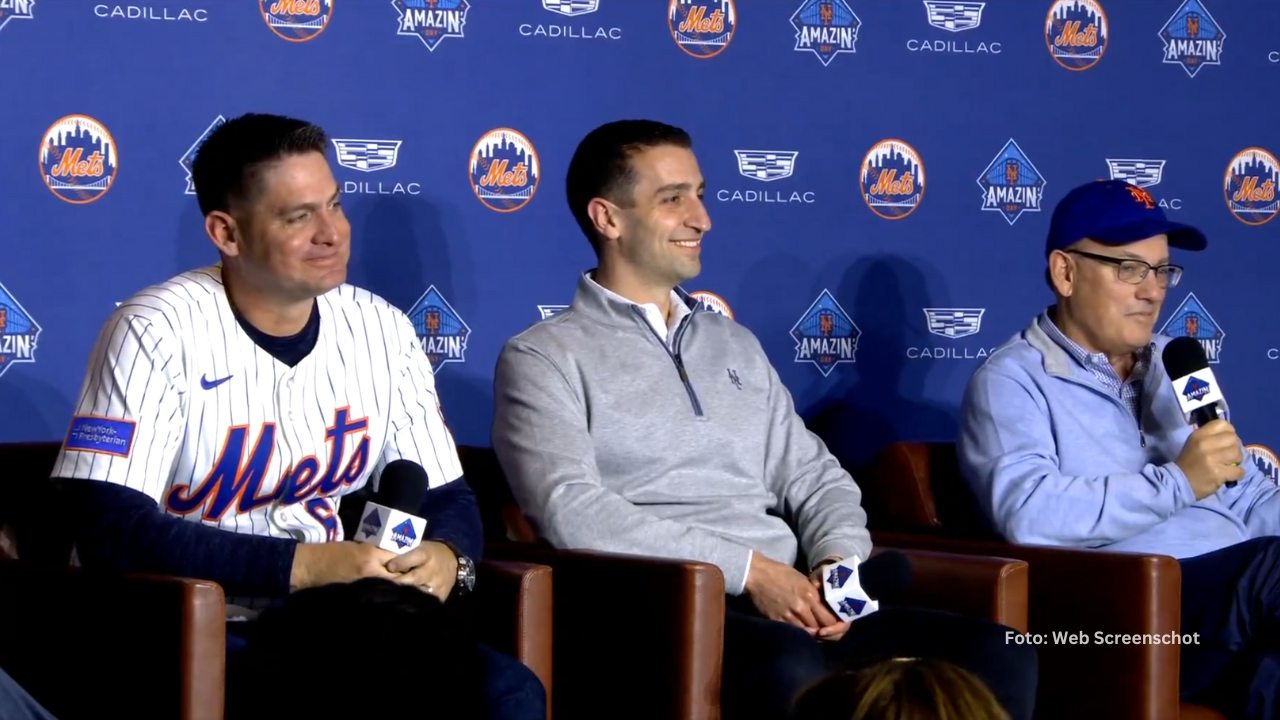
x: 179, y: 403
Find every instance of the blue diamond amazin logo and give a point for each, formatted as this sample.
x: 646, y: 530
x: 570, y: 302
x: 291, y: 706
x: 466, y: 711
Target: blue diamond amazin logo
x: 403, y: 534
x: 1195, y: 388
x: 1192, y: 320
x: 825, y: 335
x: 1192, y: 38
x: 826, y: 28
x: 431, y: 21
x: 440, y: 329
x: 18, y: 332
x: 1011, y: 184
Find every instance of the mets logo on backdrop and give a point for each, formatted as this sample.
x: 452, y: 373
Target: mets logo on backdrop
x: 504, y: 170
x: 431, y: 21
x: 1076, y: 33
x: 1250, y: 186
x: 78, y: 159
x: 1011, y: 184
x: 702, y: 28
x: 713, y: 302
x: 440, y: 329
x: 296, y: 20
x: 1191, y: 320
x: 892, y: 179
x: 15, y: 10
x: 189, y: 156
x: 18, y: 332
x: 1192, y: 38
x: 825, y: 335
x: 1265, y: 460
x: 825, y: 27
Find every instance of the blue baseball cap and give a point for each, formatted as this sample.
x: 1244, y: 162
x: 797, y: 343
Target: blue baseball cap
x: 1114, y: 212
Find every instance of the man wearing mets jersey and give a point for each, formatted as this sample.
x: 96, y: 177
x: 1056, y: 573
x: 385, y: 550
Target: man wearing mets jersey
x: 226, y: 411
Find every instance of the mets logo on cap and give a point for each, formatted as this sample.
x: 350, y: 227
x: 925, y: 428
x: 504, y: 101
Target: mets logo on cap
x: 702, y: 28
x: 1076, y: 33
x: 504, y: 170
x: 15, y: 10
x: 296, y: 20
x: 1249, y: 186
x: 1190, y: 319
x: 1265, y: 460
x: 18, y: 332
x: 892, y: 179
x: 1011, y: 184
x: 78, y: 159
x: 826, y: 28
x: 825, y: 335
x: 1192, y: 38
x: 713, y: 302
x: 431, y: 21
x: 440, y: 329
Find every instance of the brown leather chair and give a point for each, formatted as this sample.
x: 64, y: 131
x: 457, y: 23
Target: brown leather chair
x: 671, y: 633
x: 915, y: 497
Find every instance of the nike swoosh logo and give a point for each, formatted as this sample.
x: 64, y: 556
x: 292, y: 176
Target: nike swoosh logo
x: 208, y: 384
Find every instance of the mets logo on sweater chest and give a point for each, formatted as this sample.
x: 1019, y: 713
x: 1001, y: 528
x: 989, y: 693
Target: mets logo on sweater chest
x: 825, y: 335
x: 78, y: 159
x: 440, y: 329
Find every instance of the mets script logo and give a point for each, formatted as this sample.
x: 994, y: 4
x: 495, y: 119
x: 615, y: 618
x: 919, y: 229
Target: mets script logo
x: 78, y: 159
x: 954, y: 16
x: 1143, y: 173
x: 15, y: 10
x: 296, y: 20
x: 1191, y: 320
x: 367, y: 155
x: 504, y: 170
x: 1249, y: 186
x: 1076, y: 33
x: 189, y: 156
x: 892, y: 179
x: 431, y: 21
x: 713, y: 302
x: 954, y: 322
x: 1011, y: 185
x: 826, y: 28
x: 18, y: 332
x: 825, y: 335
x: 440, y: 329
x: 766, y: 165
x: 403, y: 534
x: 571, y: 7
x: 1265, y: 460
x: 1192, y: 38
x: 702, y: 28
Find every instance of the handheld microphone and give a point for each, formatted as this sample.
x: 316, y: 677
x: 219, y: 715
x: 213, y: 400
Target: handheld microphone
x: 854, y: 589
x: 390, y: 519
x: 1199, y: 396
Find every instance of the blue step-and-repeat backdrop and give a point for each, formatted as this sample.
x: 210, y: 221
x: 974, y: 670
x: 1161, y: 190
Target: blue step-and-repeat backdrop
x: 880, y: 173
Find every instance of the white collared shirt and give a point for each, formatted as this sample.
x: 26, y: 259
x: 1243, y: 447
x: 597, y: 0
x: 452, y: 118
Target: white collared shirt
x: 652, y: 313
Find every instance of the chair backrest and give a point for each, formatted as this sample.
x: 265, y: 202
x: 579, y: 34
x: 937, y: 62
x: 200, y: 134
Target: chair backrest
x: 25, y: 495
x: 503, y: 520
x: 916, y: 487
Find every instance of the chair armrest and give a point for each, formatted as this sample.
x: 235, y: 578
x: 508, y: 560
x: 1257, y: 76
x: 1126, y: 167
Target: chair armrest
x: 514, y: 604
x: 665, y: 617
x: 65, y: 625
x: 994, y: 588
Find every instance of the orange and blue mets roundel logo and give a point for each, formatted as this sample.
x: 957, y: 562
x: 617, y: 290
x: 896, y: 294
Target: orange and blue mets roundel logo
x: 1192, y: 38
x: 18, y: 332
x: 713, y: 302
x: 441, y: 330
x: 78, y: 159
x: 431, y: 21
x: 1249, y: 186
x: 1076, y: 33
x: 825, y: 335
x: 504, y: 170
x: 702, y: 28
x: 296, y: 20
x: 1265, y: 460
x: 15, y: 10
x: 892, y: 179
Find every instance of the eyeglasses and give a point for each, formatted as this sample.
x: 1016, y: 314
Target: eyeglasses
x: 1134, y: 272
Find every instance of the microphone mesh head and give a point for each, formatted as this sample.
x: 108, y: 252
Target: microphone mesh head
x: 1183, y: 356
x: 403, y: 485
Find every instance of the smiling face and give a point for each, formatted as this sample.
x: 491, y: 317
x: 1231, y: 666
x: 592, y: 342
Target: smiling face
x: 1102, y: 313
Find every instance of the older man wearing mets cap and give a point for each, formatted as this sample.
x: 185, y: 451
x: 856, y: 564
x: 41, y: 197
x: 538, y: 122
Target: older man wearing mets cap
x: 1072, y: 435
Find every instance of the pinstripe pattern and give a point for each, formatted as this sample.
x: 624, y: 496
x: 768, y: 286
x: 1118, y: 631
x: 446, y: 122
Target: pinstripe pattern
x: 147, y: 367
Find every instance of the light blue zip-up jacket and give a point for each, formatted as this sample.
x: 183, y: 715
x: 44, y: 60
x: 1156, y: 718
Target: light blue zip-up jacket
x: 1056, y: 458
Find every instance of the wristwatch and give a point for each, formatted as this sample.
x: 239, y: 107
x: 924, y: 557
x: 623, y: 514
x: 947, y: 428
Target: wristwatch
x: 466, y: 571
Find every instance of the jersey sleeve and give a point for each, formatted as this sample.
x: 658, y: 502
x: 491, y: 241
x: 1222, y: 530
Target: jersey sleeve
x: 127, y: 423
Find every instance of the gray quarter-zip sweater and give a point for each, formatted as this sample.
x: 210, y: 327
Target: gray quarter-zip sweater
x: 612, y: 441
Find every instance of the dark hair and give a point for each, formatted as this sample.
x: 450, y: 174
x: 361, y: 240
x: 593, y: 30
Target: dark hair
x: 900, y: 690
x: 227, y: 165
x: 370, y: 647
x: 601, y: 165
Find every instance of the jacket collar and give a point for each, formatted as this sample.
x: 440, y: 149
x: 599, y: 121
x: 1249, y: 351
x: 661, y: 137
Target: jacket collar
x: 597, y: 305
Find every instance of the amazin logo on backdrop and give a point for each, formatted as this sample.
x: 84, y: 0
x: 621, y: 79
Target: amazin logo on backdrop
x: 825, y: 335
x: 370, y: 156
x: 766, y: 166
x: 78, y: 159
x: 826, y: 28
x: 1011, y: 184
x: 579, y: 31
x: 1191, y: 320
x: 15, y: 10
x: 954, y: 17
x: 440, y: 329
x: 18, y: 332
x: 1076, y: 33
x: 1192, y: 38
x: 431, y: 21
x: 504, y: 170
x: 296, y: 20
x: 1144, y: 174
x: 189, y: 156
x: 702, y: 28
x: 1249, y: 186
x: 892, y: 179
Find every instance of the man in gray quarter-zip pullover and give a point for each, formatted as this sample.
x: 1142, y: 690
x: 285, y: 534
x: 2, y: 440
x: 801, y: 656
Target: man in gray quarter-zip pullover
x: 638, y: 422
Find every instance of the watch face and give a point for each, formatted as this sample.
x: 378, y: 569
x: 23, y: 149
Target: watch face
x: 466, y: 572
